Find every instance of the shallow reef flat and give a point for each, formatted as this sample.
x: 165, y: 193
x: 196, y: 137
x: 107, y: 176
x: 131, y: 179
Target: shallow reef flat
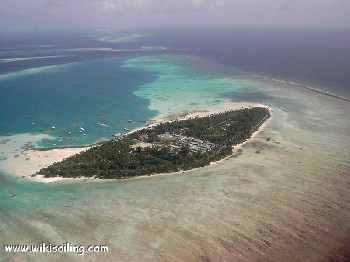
x: 283, y: 196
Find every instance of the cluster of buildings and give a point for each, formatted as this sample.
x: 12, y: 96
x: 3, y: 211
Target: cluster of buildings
x: 175, y: 141
x: 195, y: 145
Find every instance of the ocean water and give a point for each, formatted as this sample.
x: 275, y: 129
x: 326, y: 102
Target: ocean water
x: 179, y: 88
x: 96, y: 95
x: 284, y: 198
x: 317, y: 58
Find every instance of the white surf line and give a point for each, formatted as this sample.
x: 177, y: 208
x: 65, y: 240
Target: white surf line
x: 38, y: 51
x: 7, y: 60
x: 36, y: 70
x: 306, y: 87
x: 129, y: 38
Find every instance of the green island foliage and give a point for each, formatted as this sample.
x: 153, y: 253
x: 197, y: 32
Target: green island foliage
x: 167, y: 147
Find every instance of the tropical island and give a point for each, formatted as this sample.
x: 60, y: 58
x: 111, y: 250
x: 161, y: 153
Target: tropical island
x: 167, y: 147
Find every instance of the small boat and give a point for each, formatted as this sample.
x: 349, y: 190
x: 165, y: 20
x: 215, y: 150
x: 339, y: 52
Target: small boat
x: 53, y: 127
x: 130, y: 121
x: 82, y: 129
x: 126, y: 129
x: 101, y: 124
x: 69, y: 132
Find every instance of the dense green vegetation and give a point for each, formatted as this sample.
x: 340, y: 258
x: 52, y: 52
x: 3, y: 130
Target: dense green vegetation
x: 126, y: 157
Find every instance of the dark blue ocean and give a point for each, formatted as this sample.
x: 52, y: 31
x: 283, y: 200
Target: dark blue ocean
x: 316, y: 58
x: 73, y: 80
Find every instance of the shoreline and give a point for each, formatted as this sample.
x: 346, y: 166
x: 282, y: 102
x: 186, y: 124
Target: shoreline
x: 32, y: 160
x: 235, y: 150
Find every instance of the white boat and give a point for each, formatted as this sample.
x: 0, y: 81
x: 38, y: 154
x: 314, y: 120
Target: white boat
x: 53, y: 127
x: 101, y: 124
x: 126, y: 129
x: 69, y: 132
x: 82, y: 129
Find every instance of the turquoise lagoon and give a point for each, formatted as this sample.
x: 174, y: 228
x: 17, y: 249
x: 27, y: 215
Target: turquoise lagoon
x: 96, y: 95
x: 106, y: 96
x: 290, y: 200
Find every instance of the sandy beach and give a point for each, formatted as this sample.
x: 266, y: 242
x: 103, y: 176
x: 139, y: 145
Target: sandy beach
x: 25, y: 160
x: 236, y: 151
x: 281, y: 196
x: 20, y: 157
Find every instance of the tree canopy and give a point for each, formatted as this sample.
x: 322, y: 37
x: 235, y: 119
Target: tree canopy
x: 171, y: 147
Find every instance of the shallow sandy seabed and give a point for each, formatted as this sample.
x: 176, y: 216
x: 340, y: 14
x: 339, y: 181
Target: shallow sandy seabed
x: 21, y: 160
x: 24, y: 162
x: 285, y: 198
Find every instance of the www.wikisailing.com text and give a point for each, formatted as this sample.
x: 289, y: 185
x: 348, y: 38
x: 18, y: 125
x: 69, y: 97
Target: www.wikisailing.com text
x: 51, y: 248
